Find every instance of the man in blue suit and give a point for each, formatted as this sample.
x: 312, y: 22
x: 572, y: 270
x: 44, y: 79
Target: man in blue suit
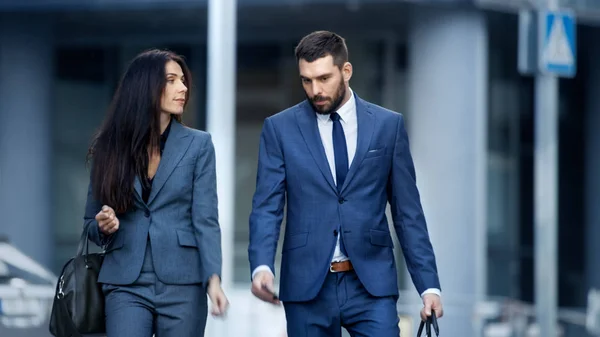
x: 339, y: 160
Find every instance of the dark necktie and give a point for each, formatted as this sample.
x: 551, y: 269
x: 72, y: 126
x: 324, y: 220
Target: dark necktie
x: 340, y: 152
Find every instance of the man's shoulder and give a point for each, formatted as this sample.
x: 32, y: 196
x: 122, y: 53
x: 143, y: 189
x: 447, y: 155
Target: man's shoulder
x: 287, y: 113
x: 381, y: 112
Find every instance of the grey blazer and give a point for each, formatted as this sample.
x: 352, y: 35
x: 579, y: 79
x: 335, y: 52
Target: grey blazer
x: 180, y: 218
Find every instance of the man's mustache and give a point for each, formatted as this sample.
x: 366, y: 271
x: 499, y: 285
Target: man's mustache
x: 320, y: 99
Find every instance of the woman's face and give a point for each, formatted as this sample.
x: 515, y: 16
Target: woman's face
x: 173, y: 97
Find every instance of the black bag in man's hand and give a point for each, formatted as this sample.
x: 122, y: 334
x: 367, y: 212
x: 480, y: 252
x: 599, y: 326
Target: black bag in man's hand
x: 78, y: 306
x: 431, y: 320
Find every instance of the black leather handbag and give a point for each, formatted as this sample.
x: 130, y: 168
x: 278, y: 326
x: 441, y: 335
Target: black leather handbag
x: 431, y: 321
x: 78, y: 306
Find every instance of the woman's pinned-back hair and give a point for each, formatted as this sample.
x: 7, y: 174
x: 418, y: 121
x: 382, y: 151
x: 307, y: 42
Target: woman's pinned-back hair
x: 119, y: 150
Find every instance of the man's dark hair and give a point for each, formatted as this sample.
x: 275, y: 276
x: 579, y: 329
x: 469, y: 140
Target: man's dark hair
x: 321, y: 44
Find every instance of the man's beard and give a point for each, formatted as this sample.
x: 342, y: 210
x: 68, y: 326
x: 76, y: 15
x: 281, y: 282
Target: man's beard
x: 336, y: 102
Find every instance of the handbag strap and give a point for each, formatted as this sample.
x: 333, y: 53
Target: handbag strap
x: 83, y: 241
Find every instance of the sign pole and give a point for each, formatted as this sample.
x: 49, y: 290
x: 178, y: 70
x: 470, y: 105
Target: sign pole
x: 546, y: 203
x: 547, y: 50
x: 556, y: 56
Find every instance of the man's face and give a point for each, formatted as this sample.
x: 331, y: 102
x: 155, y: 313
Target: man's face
x: 324, y: 83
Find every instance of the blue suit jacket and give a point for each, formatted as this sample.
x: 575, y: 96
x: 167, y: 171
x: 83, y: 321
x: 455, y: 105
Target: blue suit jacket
x: 180, y: 218
x: 292, y: 163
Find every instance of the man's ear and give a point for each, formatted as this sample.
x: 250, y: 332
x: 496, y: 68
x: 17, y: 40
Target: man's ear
x: 347, y: 71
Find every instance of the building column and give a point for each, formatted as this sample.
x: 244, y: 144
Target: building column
x: 221, y: 124
x: 447, y: 125
x: 592, y: 167
x: 220, y: 116
x: 26, y: 65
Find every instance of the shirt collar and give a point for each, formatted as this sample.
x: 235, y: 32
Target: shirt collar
x: 346, y: 111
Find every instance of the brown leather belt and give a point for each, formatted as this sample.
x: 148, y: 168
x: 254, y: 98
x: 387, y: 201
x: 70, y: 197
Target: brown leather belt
x: 337, y: 267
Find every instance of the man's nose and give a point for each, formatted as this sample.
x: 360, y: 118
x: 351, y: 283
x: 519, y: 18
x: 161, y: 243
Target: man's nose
x: 316, y: 89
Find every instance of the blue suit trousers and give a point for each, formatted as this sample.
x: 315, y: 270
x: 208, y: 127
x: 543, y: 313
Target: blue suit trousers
x: 149, y: 306
x: 343, y: 302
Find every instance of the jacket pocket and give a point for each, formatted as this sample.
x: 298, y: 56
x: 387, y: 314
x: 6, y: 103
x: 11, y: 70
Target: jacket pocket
x: 186, y: 238
x: 374, y: 153
x: 295, y: 241
x: 381, y: 238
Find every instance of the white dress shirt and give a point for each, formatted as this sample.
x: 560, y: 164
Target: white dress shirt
x: 349, y: 123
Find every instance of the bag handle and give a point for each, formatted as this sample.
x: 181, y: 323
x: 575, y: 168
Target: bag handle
x: 84, y: 244
x: 83, y: 241
x: 431, y: 320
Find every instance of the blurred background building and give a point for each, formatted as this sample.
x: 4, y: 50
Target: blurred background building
x: 450, y: 66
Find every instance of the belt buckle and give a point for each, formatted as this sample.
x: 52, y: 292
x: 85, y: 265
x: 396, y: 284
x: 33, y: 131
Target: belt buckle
x: 331, y: 268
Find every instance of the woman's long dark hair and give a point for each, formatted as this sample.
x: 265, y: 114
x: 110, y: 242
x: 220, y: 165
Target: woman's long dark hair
x: 119, y: 150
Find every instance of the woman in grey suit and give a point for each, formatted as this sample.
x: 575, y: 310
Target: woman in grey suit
x: 152, y: 204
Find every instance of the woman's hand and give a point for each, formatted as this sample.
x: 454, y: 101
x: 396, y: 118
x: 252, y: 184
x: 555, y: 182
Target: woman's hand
x: 107, y: 220
x: 217, y: 297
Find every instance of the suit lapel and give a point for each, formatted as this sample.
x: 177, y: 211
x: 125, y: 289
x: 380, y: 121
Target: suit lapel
x: 307, y: 121
x: 137, y: 185
x: 175, y: 147
x: 366, y: 125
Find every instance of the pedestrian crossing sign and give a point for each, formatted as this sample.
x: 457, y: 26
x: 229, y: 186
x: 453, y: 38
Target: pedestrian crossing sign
x: 557, y: 48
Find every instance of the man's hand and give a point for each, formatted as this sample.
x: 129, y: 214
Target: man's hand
x: 262, y: 287
x: 217, y: 297
x: 107, y: 220
x: 431, y: 302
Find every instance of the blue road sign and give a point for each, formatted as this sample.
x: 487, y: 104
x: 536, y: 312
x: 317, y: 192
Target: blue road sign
x: 557, y: 53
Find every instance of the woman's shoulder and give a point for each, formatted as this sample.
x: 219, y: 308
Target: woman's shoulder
x: 200, y: 137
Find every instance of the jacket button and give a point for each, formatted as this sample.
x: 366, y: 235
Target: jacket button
x: 341, y: 200
x: 335, y: 232
x: 147, y: 214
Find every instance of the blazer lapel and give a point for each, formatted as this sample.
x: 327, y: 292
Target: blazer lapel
x: 307, y: 121
x: 137, y: 186
x: 175, y: 147
x: 366, y: 126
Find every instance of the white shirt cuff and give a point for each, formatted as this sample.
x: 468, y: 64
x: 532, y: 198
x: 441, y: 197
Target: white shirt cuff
x: 260, y: 268
x: 429, y: 291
